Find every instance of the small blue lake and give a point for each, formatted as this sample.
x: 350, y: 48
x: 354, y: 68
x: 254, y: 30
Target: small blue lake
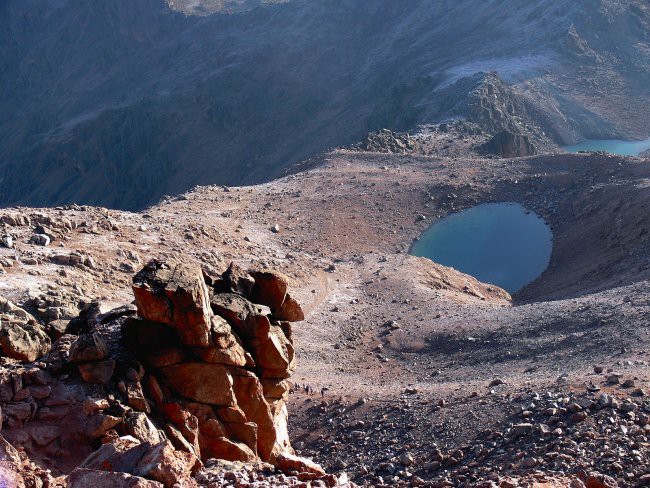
x: 499, y: 243
x: 622, y: 148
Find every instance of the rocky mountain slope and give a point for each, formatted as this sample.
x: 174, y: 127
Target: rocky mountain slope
x: 118, y: 103
x: 407, y: 373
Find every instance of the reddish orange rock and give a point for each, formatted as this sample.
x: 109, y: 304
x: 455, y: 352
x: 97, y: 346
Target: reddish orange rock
x: 170, y: 467
x: 291, y: 311
x: 290, y: 462
x: 250, y: 398
x: 175, y: 295
x: 203, y: 382
x: 223, y: 448
x: 275, y: 352
x: 270, y: 288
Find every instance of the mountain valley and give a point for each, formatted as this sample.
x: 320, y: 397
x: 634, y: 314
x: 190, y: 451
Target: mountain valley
x: 208, y: 213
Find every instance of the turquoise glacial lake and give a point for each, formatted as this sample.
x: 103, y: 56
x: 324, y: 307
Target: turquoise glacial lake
x: 623, y: 148
x: 499, y: 243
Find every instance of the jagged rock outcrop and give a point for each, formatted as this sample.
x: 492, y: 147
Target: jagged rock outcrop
x: 211, y: 348
x: 387, y: 141
x: 175, y: 296
x: 579, y: 47
x: 509, y: 145
x: 202, y: 372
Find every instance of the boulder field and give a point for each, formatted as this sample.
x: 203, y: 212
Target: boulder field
x: 195, y: 373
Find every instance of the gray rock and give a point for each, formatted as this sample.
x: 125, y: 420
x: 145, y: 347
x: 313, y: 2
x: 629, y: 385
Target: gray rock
x: 139, y: 426
x: 40, y: 240
x: 7, y: 241
x: 88, y: 347
x: 91, y: 478
x: 97, y: 372
x: 8, y: 452
x: 523, y: 429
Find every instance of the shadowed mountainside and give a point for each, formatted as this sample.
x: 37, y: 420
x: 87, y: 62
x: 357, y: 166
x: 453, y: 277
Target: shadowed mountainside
x: 118, y: 103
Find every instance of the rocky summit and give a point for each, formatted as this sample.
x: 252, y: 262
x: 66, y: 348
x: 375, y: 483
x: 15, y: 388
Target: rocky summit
x: 195, y: 376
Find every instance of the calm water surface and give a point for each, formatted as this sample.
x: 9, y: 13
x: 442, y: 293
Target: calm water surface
x: 499, y: 243
x: 623, y: 148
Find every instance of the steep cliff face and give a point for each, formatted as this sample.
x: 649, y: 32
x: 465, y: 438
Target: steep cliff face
x: 118, y: 103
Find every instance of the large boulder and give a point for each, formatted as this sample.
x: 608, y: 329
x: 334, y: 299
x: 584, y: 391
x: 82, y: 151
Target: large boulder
x: 509, y: 145
x: 140, y: 427
x: 175, y: 295
x: 122, y: 456
x: 23, y: 341
x: 88, y: 347
x: 246, y: 319
x: 227, y: 347
x: 235, y: 280
x: 275, y: 352
x: 291, y: 311
x: 202, y: 382
x: 159, y: 462
x: 228, y: 450
x: 21, y: 336
x: 170, y: 467
x: 250, y: 398
x: 270, y: 288
x: 280, y: 416
x: 289, y: 462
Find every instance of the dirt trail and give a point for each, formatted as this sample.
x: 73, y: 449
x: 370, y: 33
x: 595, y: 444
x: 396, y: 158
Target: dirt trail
x: 322, y: 292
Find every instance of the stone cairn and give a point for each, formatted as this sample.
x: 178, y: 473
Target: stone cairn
x: 198, y: 369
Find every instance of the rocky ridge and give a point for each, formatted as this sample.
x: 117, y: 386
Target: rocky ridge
x: 387, y: 141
